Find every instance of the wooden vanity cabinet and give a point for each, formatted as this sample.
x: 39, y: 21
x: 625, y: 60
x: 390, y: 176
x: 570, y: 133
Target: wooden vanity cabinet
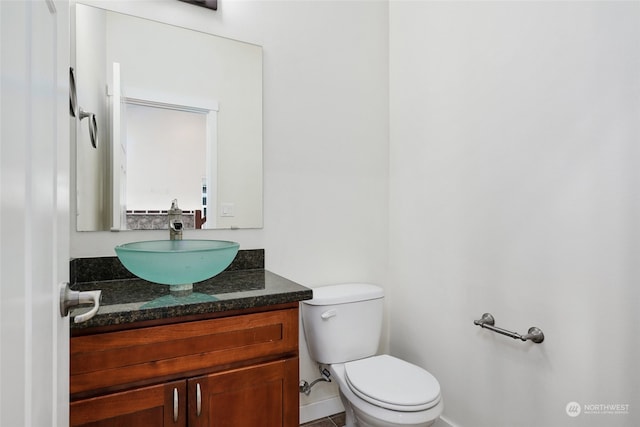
x: 240, y: 370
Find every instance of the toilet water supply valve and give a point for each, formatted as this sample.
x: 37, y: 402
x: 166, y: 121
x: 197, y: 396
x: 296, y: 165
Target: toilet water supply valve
x: 325, y: 375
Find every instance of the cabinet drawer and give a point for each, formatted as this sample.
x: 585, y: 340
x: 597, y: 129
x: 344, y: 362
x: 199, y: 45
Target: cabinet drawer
x: 115, y: 359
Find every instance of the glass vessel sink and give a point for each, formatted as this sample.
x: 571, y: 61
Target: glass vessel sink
x: 177, y: 262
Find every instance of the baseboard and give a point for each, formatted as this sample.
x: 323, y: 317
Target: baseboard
x: 443, y: 422
x: 321, y: 409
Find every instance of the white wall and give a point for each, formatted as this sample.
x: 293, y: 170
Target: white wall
x: 514, y: 190
x: 325, y: 139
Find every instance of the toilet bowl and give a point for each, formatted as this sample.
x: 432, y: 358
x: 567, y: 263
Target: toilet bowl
x: 394, y: 399
x: 342, y: 324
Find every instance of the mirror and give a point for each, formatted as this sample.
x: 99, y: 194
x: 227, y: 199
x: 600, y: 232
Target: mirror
x: 178, y: 116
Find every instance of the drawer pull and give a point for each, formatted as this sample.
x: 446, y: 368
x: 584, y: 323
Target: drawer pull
x: 198, y: 400
x: 175, y: 405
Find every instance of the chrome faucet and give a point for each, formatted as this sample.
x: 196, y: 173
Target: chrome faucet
x: 175, y: 221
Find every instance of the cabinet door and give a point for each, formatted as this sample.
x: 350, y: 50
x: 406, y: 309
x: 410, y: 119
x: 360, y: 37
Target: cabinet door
x: 154, y: 406
x: 264, y: 395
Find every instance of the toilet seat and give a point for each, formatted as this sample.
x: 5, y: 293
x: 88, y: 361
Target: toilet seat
x: 392, y: 383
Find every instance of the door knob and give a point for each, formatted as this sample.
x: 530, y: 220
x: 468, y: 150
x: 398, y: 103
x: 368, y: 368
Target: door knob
x: 69, y: 298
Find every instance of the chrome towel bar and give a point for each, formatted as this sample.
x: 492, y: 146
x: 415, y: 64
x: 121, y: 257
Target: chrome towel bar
x: 487, y: 321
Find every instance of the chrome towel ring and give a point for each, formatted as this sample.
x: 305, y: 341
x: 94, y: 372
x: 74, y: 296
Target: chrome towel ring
x: 93, y: 126
x: 73, y: 97
x: 75, y: 112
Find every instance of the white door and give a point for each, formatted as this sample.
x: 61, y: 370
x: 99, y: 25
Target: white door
x: 34, y: 215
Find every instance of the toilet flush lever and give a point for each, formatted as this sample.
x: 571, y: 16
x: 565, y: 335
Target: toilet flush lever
x: 69, y: 298
x: 329, y: 314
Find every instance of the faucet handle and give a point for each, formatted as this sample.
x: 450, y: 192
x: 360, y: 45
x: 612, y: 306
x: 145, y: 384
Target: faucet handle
x: 175, y: 229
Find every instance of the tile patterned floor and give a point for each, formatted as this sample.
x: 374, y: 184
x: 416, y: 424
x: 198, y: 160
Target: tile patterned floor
x: 336, y: 420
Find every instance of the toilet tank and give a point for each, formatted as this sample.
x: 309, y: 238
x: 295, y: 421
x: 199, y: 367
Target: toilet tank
x: 343, y: 322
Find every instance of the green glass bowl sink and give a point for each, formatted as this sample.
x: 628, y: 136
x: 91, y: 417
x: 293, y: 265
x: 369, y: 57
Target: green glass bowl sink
x: 177, y: 262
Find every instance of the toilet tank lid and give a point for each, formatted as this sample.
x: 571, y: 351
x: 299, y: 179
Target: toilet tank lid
x: 345, y: 293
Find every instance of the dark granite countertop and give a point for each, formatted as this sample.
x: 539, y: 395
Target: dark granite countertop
x: 128, y: 299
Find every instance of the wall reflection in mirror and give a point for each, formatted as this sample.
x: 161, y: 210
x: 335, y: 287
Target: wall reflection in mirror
x: 179, y: 116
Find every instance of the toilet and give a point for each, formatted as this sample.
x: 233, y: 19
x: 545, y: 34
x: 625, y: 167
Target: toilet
x: 342, y: 325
